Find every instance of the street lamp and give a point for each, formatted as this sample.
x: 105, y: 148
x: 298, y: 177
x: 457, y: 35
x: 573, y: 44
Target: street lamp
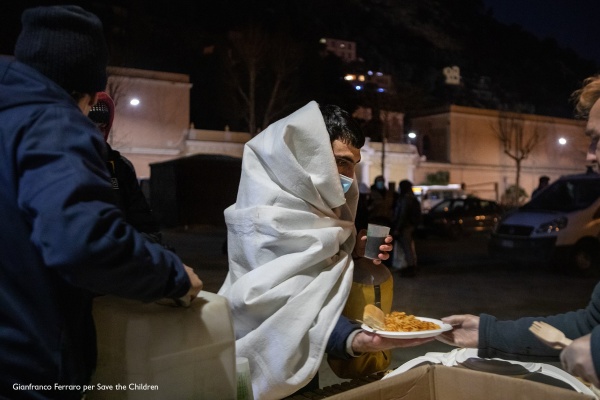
x: 411, y: 137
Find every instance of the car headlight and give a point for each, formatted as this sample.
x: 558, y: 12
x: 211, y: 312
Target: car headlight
x: 553, y: 226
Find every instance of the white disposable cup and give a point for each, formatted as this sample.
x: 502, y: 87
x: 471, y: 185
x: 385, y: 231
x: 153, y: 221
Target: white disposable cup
x: 376, y: 235
x: 244, y: 380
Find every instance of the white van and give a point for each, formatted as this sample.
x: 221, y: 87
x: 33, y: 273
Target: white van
x: 561, y: 224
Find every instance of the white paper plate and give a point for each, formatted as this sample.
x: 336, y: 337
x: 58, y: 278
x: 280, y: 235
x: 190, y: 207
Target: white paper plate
x: 412, y: 335
x: 464, y: 354
x: 558, y: 373
x: 545, y: 369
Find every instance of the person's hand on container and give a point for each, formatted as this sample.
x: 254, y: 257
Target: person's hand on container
x: 465, y: 332
x: 577, y: 360
x: 359, y: 247
x: 195, y: 285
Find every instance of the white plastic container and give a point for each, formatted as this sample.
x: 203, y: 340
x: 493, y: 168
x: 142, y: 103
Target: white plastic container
x: 154, y: 351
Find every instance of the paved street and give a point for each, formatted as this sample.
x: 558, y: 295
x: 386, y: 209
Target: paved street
x: 454, y: 277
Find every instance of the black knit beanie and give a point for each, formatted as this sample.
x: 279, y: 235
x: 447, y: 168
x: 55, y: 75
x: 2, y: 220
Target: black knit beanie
x: 67, y: 44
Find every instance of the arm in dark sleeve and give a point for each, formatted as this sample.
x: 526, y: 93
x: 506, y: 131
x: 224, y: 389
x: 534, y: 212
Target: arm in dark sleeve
x: 595, y: 348
x: 512, y: 339
x: 66, y: 194
x: 336, y: 345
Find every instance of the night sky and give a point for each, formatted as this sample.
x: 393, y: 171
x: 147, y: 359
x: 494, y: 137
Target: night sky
x: 573, y: 23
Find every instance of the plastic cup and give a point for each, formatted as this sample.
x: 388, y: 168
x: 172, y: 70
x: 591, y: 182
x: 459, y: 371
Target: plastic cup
x: 244, y: 380
x: 376, y: 235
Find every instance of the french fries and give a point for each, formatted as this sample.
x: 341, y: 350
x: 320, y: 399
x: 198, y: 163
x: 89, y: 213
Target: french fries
x: 398, y: 321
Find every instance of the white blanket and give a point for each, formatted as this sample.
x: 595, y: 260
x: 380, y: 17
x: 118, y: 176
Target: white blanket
x: 290, y: 239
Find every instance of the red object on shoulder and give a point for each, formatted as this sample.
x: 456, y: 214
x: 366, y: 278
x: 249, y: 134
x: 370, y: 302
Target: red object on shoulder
x: 103, y: 113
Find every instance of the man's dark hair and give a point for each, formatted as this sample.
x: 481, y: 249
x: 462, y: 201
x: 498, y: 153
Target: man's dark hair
x: 341, y: 126
x: 405, y: 186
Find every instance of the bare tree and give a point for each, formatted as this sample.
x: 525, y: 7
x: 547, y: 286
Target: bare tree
x: 383, y: 106
x: 517, y: 141
x: 260, y: 67
x: 165, y: 110
x: 283, y: 60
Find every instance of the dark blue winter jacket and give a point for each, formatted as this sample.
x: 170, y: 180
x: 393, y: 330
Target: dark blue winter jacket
x: 62, y: 239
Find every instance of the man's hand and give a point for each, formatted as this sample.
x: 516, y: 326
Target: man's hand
x: 465, y: 332
x: 195, y: 284
x: 361, y: 244
x: 577, y: 360
x: 367, y: 342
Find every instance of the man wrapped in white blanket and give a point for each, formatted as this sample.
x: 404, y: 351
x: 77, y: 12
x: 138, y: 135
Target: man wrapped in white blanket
x: 291, y: 242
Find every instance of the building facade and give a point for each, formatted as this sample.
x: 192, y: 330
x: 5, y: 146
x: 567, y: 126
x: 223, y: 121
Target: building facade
x: 152, y: 115
x: 465, y: 142
x: 344, y: 49
x: 462, y: 141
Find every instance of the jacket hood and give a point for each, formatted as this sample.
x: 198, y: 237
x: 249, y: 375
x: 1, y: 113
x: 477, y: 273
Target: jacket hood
x: 21, y: 84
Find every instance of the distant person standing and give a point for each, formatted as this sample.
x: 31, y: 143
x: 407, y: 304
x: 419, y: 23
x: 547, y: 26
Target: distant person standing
x: 381, y: 204
x: 407, y: 217
x: 63, y: 239
x: 130, y: 198
x: 544, y: 181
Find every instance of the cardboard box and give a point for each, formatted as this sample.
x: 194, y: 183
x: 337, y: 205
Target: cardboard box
x: 436, y: 382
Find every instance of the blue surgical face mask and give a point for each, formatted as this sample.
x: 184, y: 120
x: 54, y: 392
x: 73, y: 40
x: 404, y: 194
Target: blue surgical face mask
x: 346, y: 182
x: 379, y: 185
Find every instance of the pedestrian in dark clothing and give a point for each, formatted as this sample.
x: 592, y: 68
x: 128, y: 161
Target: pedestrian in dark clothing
x: 407, y: 217
x: 544, y: 181
x: 381, y: 207
x: 130, y: 198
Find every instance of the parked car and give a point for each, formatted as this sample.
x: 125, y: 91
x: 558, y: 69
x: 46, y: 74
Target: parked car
x: 457, y: 217
x: 430, y: 195
x: 559, y: 225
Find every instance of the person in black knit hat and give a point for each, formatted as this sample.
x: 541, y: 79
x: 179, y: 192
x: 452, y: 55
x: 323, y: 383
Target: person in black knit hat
x: 63, y: 239
x: 67, y: 45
